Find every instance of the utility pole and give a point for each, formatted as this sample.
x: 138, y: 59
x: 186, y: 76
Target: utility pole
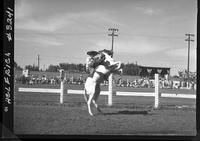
x: 188, y: 61
x: 38, y: 58
x: 112, y: 34
x: 110, y: 79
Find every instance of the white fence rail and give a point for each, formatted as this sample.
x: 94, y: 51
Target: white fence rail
x: 145, y: 94
x: 156, y: 94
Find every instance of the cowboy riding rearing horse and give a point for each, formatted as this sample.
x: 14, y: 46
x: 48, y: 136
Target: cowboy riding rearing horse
x: 99, y: 65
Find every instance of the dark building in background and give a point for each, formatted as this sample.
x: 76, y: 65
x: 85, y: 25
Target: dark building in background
x: 145, y: 71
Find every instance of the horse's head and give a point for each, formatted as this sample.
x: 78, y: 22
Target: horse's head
x: 109, y: 52
x: 109, y: 65
x: 109, y: 61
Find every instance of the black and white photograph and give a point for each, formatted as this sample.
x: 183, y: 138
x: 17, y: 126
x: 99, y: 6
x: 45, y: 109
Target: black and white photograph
x: 104, y: 67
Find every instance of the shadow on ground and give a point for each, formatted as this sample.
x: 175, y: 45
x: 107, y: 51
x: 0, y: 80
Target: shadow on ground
x: 127, y: 112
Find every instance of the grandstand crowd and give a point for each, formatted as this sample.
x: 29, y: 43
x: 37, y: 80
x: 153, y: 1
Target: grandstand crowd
x: 143, y: 82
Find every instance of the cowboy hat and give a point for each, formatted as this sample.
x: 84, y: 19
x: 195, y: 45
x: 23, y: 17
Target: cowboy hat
x: 92, y: 53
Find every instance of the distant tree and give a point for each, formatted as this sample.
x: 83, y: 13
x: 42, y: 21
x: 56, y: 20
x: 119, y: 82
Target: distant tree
x: 81, y: 67
x: 64, y: 66
x: 128, y: 69
x: 32, y: 67
x: 72, y: 67
x: 16, y: 66
x: 53, y: 68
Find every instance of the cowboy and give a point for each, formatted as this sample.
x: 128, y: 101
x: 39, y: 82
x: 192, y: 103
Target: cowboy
x: 93, y: 60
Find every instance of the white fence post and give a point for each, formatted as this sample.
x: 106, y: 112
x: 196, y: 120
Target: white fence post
x: 110, y: 89
x: 156, y: 97
x: 61, y: 85
x: 61, y: 91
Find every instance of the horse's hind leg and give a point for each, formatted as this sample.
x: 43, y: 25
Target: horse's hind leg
x: 89, y: 104
x: 89, y: 93
x: 93, y: 86
x: 97, y: 107
x: 96, y: 96
x: 85, y: 95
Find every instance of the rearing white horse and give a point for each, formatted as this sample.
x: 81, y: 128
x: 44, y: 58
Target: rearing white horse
x: 92, y: 84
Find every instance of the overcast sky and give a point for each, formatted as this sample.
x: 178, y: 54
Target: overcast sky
x: 151, y: 32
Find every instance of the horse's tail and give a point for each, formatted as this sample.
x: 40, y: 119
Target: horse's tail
x: 85, y: 95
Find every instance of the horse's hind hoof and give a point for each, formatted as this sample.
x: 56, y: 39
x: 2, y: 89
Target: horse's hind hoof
x: 99, y: 110
x: 91, y: 114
